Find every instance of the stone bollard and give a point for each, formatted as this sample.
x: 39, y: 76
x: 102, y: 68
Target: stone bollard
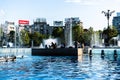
x: 90, y: 54
x: 102, y: 54
x: 115, y: 55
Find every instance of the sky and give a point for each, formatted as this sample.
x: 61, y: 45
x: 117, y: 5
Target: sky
x: 88, y: 11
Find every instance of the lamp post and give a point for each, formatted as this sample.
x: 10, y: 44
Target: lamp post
x: 108, y: 14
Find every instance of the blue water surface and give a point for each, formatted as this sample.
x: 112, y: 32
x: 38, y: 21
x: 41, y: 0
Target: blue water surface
x: 61, y: 68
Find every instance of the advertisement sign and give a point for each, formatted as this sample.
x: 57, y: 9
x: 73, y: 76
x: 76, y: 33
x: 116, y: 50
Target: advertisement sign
x: 25, y: 22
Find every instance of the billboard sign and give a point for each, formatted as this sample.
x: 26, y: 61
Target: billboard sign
x: 24, y: 22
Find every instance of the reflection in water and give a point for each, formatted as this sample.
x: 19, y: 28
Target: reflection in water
x: 80, y: 58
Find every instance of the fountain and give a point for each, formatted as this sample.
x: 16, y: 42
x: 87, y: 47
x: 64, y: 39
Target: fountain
x: 96, y: 41
x: 41, y: 46
x: 70, y: 43
x: 46, y: 43
x: 46, y: 49
x: 68, y: 33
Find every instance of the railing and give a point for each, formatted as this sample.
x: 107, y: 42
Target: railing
x: 15, y: 51
x: 109, y: 53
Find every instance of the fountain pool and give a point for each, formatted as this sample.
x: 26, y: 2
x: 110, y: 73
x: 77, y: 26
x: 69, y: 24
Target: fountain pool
x: 61, y: 68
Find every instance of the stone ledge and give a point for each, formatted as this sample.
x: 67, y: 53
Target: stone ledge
x: 56, y: 52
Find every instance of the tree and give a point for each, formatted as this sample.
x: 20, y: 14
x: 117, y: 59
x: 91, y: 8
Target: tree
x: 11, y: 36
x: 1, y: 36
x: 108, y: 34
x: 90, y: 32
x: 58, y: 32
x: 25, y: 38
x: 81, y: 35
x: 1, y: 33
x: 37, y: 38
x: 76, y: 32
x: 87, y: 37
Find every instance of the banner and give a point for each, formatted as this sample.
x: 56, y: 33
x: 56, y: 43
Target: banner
x: 25, y: 22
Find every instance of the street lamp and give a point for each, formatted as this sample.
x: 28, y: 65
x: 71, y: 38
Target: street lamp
x: 108, y: 14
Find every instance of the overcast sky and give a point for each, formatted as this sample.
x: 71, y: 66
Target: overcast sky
x: 89, y: 11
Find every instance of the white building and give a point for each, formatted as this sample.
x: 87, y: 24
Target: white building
x: 57, y: 23
x: 8, y: 26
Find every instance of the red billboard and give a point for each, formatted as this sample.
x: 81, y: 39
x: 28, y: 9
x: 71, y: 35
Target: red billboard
x: 25, y: 22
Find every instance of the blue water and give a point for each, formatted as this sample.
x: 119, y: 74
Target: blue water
x: 61, y: 68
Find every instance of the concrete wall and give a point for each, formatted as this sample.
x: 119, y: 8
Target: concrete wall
x: 56, y: 52
x: 80, y: 51
x: 15, y: 51
x: 42, y: 52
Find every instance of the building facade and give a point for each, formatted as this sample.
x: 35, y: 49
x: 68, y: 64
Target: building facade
x: 8, y: 26
x: 57, y: 24
x: 40, y: 25
x: 116, y: 22
x: 24, y: 25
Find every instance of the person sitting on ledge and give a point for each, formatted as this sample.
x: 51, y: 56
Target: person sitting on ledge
x: 53, y: 45
x: 46, y: 46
